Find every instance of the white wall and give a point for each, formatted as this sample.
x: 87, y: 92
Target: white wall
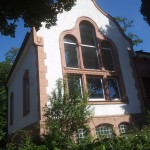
x: 27, y: 61
x: 67, y: 21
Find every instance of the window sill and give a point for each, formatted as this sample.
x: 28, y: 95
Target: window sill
x: 107, y: 102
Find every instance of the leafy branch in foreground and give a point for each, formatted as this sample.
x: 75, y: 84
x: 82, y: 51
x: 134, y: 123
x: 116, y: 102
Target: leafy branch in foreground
x: 66, y: 113
x: 32, y: 12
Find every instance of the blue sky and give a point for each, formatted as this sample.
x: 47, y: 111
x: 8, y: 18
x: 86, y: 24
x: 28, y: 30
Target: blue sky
x: 123, y: 8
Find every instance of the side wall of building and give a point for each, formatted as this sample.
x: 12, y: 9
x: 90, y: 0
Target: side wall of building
x: 27, y: 61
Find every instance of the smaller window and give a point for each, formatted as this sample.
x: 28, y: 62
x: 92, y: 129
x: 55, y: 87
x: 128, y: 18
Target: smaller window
x: 123, y: 128
x: 71, y: 52
x: 107, y: 58
x: 74, y: 84
x: 80, y: 135
x: 26, y: 93
x: 11, y: 115
x: 95, y: 87
x: 104, y: 131
x: 113, y: 87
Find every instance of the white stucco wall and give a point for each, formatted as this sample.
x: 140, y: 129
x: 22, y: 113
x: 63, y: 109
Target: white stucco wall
x: 67, y: 21
x: 26, y: 61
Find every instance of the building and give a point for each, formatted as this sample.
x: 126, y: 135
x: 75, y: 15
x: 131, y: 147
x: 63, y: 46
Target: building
x: 90, y: 45
x: 142, y: 66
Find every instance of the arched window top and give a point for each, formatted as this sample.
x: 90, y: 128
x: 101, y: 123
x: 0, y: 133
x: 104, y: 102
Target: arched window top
x: 69, y: 39
x: 104, y: 130
x: 87, y: 33
x: 106, y: 44
x: 123, y: 127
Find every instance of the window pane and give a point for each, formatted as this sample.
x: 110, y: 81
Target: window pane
x: 69, y: 39
x: 74, y: 85
x: 104, y: 131
x: 113, y: 89
x: 123, y: 128
x: 89, y: 55
x: 87, y: 34
x: 71, y: 55
x: 95, y: 87
x: 107, y: 59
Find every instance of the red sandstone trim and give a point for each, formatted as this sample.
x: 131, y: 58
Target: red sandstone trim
x: 41, y: 76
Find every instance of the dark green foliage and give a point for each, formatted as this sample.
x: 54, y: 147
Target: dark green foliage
x: 126, y: 25
x: 23, y: 140
x: 66, y: 113
x: 145, y: 10
x: 4, y: 69
x: 32, y: 12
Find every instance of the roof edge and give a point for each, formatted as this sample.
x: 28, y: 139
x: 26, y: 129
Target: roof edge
x: 112, y: 18
x: 27, y: 36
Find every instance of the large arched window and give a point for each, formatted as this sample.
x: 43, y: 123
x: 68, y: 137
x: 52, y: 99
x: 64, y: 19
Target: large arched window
x: 88, y: 46
x: 89, y: 56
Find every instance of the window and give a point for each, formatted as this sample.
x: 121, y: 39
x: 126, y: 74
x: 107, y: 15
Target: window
x: 74, y: 84
x: 80, y: 135
x: 88, y: 46
x: 123, y: 128
x: 107, y: 57
x: 26, y: 93
x: 11, y: 108
x: 104, y: 131
x: 95, y: 87
x: 113, y: 88
x: 88, y: 55
x: 71, y: 53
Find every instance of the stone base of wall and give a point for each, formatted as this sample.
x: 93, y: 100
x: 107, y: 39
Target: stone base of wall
x: 134, y: 121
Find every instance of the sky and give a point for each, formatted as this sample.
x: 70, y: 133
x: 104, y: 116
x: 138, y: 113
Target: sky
x: 123, y: 8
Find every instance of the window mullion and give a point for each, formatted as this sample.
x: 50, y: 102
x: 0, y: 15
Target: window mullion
x: 84, y: 82
x: 105, y: 86
x: 80, y: 58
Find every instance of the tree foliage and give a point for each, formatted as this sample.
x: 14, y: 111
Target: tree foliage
x: 66, y: 113
x: 5, y: 67
x: 126, y: 25
x: 11, y: 54
x: 4, y: 70
x: 32, y: 12
x: 145, y: 10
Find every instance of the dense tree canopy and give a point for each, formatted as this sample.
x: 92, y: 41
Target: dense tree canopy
x: 33, y: 13
x: 145, y: 10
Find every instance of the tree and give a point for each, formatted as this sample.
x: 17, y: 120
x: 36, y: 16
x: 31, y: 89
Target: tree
x: 145, y: 10
x: 66, y: 113
x: 125, y: 25
x: 11, y: 54
x: 32, y: 12
x: 4, y: 70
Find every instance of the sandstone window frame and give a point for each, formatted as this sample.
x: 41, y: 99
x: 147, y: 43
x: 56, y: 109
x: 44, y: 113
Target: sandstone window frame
x: 83, y: 72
